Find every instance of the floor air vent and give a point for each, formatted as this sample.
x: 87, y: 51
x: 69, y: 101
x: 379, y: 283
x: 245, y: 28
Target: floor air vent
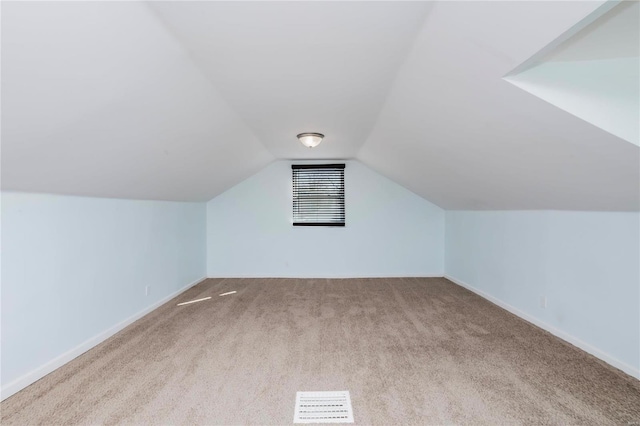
x: 323, y: 407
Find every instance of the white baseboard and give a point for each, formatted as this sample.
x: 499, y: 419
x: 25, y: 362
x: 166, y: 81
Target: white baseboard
x: 337, y: 276
x: 630, y: 370
x: 35, y: 375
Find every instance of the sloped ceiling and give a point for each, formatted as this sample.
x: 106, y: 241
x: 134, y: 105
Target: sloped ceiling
x: 99, y: 99
x: 595, y: 74
x: 182, y: 100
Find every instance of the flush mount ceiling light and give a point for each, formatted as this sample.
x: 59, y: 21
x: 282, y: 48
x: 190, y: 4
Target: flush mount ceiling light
x: 310, y: 140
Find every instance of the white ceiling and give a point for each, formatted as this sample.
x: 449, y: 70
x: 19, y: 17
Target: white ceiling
x: 594, y: 74
x: 615, y: 35
x: 181, y: 100
x: 471, y: 140
x: 99, y: 99
x: 293, y: 67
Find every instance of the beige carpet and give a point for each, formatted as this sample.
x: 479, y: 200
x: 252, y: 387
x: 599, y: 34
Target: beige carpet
x: 410, y: 351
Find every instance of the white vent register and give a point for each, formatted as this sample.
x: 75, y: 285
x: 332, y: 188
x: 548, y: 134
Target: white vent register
x: 323, y: 407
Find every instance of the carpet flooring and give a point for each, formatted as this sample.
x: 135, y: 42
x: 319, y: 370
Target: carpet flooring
x: 409, y: 350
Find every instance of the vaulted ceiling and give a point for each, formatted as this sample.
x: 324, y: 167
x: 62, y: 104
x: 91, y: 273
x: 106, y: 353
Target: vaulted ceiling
x: 182, y: 100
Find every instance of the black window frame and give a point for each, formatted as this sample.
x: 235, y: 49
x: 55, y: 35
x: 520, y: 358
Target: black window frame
x: 303, y: 194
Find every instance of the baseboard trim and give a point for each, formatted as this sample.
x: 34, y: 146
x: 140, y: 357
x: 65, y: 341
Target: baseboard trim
x: 257, y: 276
x: 35, y: 375
x: 628, y: 369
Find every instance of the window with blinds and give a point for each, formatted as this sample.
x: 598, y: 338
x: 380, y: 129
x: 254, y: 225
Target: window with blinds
x: 318, y: 195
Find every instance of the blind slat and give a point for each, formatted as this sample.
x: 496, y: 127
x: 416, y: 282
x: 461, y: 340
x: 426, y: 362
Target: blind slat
x: 318, y: 195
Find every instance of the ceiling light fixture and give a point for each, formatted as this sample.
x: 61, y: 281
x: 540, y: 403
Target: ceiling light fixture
x: 310, y: 140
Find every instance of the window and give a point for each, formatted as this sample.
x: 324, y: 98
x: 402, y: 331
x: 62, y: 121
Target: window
x: 318, y: 195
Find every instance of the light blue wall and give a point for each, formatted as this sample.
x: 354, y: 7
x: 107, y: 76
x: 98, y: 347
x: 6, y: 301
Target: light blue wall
x: 389, y: 230
x: 603, y: 92
x: 587, y: 264
x: 73, y: 267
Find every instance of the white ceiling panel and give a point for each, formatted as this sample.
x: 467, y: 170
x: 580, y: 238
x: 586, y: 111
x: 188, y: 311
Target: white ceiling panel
x: 182, y: 100
x: 293, y: 67
x: 455, y: 132
x: 98, y: 99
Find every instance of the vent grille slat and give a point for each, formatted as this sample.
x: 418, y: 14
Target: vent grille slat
x: 323, y: 407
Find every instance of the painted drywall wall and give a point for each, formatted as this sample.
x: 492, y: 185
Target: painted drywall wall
x: 389, y: 230
x: 74, y: 267
x: 586, y: 264
x: 594, y: 74
x: 604, y: 92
